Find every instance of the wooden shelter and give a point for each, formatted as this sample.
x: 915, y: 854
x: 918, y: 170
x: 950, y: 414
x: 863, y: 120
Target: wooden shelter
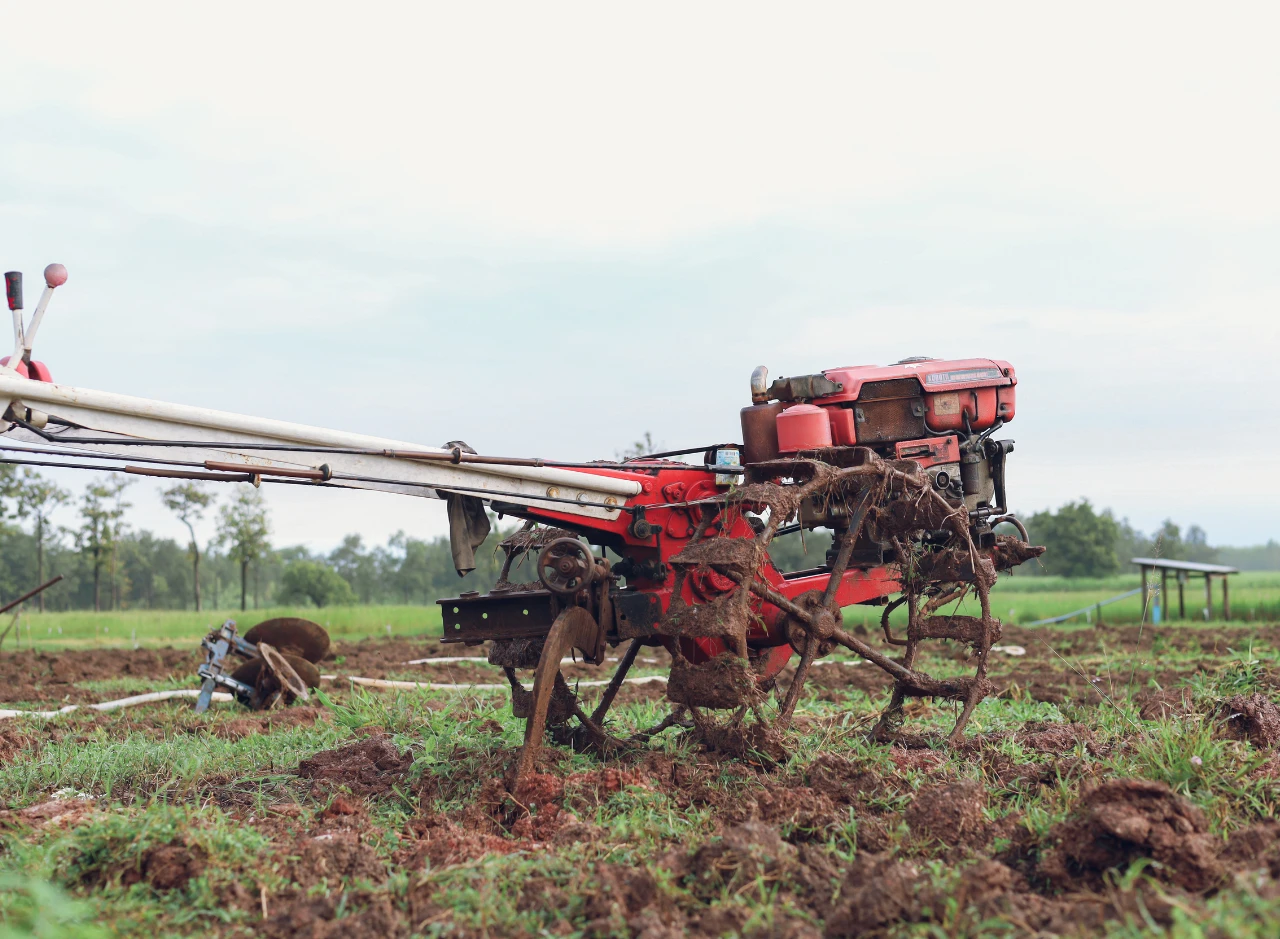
x: 1182, y: 571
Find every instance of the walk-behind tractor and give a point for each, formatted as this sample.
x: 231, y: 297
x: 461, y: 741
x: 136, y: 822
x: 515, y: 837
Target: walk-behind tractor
x: 900, y: 463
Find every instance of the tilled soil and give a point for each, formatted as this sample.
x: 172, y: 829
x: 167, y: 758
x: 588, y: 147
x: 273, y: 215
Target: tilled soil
x: 771, y: 830
x: 1040, y: 825
x: 52, y: 676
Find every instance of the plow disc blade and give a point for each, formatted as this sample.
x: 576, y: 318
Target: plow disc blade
x: 292, y: 636
x: 249, y: 671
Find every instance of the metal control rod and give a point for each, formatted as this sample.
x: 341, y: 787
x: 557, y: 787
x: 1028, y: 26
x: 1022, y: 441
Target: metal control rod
x: 146, y: 425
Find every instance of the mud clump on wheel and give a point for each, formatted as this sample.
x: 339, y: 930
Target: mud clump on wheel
x: 724, y: 682
x: 740, y: 556
x: 1123, y: 820
x: 1010, y: 552
x: 370, y: 767
x: 723, y: 616
x: 781, y: 501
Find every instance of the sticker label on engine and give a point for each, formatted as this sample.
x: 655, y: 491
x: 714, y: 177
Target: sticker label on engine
x: 963, y: 374
x: 946, y: 404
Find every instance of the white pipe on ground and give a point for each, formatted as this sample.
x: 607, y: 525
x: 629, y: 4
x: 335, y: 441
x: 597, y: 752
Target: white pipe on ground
x: 119, y: 703
x: 452, y: 686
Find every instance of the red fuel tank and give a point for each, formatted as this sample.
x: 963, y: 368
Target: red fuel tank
x: 803, y: 427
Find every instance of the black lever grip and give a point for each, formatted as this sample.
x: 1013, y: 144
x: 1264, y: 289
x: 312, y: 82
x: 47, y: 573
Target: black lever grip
x: 13, y: 289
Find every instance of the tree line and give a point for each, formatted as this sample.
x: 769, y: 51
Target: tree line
x: 1086, y: 542
x: 106, y: 564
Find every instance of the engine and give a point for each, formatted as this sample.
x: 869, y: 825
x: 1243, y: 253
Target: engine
x: 939, y: 413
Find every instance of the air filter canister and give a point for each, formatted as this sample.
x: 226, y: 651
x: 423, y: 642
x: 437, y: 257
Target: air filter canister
x: 803, y: 427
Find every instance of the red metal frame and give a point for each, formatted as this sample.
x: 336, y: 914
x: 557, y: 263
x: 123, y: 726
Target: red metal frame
x: 959, y: 395
x: 664, y: 483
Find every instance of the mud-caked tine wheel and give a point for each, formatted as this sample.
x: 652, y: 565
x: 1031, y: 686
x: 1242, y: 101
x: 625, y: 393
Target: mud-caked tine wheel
x: 821, y: 621
x: 573, y: 628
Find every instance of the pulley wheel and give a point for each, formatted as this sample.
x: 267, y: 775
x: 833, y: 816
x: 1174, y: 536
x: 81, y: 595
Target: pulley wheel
x: 249, y: 671
x: 566, y: 566
x: 292, y: 636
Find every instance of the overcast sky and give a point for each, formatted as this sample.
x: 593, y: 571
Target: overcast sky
x: 548, y: 228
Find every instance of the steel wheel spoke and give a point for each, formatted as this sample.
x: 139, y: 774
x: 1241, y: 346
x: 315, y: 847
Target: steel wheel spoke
x: 797, y: 683
x: 610, y: 692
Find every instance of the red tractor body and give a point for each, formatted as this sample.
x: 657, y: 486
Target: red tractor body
x: 920, y: 410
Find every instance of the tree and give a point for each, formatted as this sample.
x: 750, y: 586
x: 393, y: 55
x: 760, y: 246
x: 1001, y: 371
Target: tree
x: 9, y: 485
x: 1130, y: 543
x: 639, y: 448
x: 1081, y: 542
x: 243, y: 527
x: 1196, y: 546
x: 319, y: 583
x: 101, y: 510
x: 358, y: 567
x: 91, y: 536
x: 188, y: 501
x: 37, y: 497
x: 412, y: 575
x: 116, y: 527
x: 1167, y: 542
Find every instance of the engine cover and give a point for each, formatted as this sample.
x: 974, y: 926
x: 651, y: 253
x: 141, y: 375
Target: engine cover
x: 878, y: 406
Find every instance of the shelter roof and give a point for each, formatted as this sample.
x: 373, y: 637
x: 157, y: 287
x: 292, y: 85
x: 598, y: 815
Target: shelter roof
x: 1191, y: 566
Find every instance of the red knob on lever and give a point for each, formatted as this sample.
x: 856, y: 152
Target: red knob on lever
x: 55, y: 275
x: 13, y: 289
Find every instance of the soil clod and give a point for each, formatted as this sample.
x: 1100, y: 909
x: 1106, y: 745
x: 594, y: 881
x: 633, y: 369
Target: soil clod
x: 951, y: 813
x: 367, y: 768
x: 1122, y: 820
x: 1251, y: 717
x: 171, y: 866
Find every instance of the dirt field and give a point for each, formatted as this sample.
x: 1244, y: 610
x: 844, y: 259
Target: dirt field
x: 1124, y: 782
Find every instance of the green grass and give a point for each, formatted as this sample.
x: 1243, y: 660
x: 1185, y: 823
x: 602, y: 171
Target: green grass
x: 159, y: 778
x: 1255, y: 597
x: 87, y: 629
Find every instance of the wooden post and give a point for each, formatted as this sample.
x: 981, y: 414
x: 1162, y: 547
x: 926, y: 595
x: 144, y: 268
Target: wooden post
x: 1208, y: 597
x: 1164, y: 593
x: 1226, y: 598
x: 1182, y: 598
x: 1145, y: 591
